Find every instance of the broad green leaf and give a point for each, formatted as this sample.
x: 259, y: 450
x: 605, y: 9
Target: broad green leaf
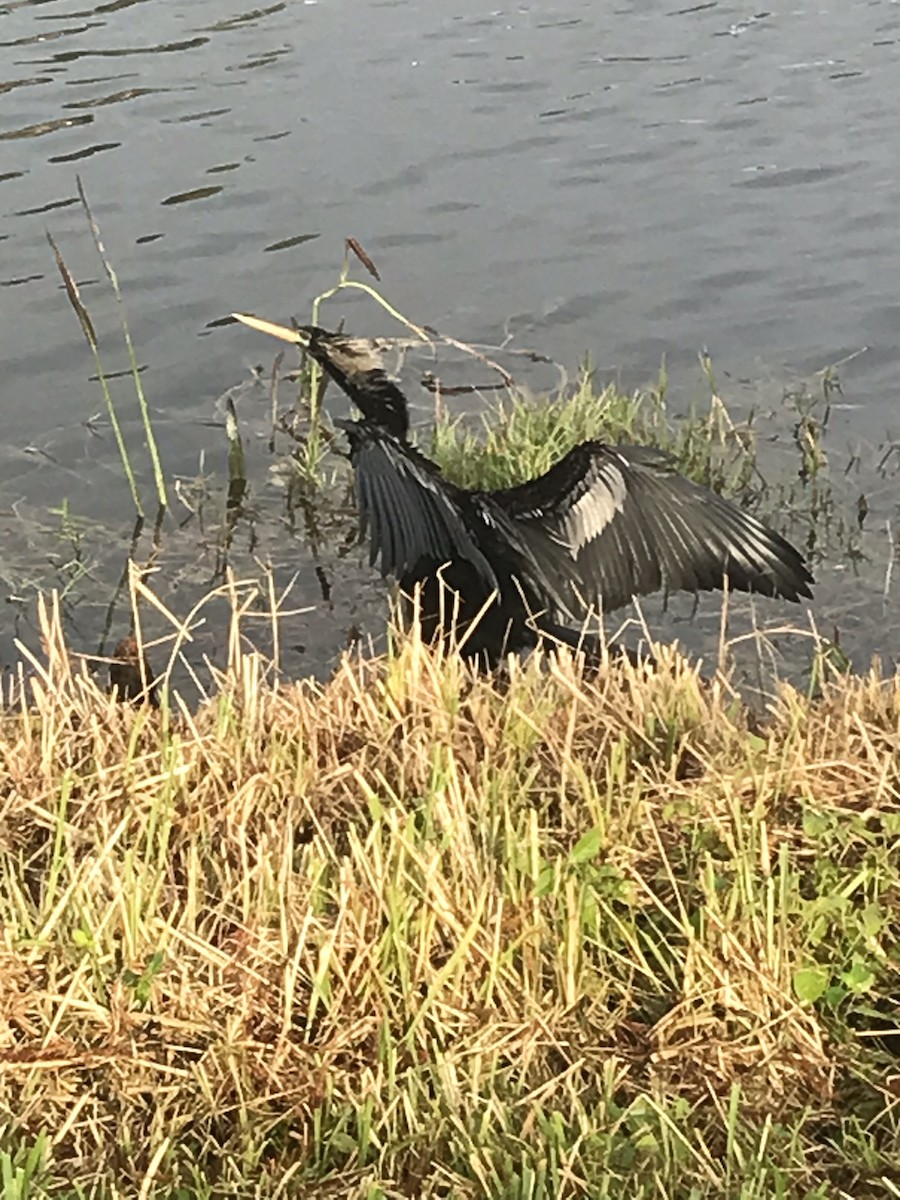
x: 810, y: 983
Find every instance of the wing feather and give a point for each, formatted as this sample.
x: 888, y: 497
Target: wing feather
x: 410, y: 512
x: 632, y: 525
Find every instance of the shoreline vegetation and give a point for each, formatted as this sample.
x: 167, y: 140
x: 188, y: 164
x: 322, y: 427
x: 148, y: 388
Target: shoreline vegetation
x: 415, y: 932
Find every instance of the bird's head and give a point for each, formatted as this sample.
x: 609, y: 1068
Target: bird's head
x: 355, y: 364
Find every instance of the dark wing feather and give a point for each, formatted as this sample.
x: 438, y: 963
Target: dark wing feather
x: 632, y: 525
x: 406, y: 508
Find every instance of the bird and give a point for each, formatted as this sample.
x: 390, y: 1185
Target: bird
x: 503, y: 571
x: 130, y: 676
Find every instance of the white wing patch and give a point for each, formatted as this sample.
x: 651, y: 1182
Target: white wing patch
x: 593, y: 512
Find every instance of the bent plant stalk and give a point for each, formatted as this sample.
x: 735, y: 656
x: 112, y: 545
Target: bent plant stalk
x: 158, y: 476
x: 90, y: 335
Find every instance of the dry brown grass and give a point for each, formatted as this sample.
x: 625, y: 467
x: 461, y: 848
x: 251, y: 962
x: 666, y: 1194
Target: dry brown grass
x: 419, y: 933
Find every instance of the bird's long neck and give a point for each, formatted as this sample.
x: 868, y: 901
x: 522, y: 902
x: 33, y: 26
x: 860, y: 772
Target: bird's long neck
x: 380, y: 400
x: 356, y: 367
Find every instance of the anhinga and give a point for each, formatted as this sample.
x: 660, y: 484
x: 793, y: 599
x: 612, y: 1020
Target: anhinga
x: 511, y: 568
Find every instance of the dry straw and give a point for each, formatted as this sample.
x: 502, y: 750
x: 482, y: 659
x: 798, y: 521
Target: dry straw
x: 417, y: 932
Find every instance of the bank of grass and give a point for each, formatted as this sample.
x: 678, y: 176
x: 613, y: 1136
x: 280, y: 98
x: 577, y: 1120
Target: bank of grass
x: 522, y: 435
x: 418, y: 934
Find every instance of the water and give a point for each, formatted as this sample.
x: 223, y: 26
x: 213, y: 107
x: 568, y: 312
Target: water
x: 635, y: 184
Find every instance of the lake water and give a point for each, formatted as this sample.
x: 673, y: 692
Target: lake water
x: 635, y: 181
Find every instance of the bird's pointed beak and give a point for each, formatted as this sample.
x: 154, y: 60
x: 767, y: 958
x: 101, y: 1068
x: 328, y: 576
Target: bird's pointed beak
x: 278, y: 331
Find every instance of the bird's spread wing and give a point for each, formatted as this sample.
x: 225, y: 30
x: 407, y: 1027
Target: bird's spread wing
x: 406, y: 508
x: 632, y: 525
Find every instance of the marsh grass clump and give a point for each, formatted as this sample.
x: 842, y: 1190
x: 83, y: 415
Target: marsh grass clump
x: 521, y: 436
x: 417, y: 932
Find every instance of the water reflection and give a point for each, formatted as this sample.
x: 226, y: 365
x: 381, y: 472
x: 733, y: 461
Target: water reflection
x: 199, y: 193
x: 76, y: 155
x: 44, y: 127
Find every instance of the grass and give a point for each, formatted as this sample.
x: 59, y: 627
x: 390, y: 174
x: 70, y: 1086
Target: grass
x: 73, y: 295
x: 414, y: 933
x: 522, y: 436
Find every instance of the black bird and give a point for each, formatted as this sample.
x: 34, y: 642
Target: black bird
x: 511, y: 568
x: 130, y: 676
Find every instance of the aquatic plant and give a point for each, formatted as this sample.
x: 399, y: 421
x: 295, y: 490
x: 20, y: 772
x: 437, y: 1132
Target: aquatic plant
x: 87, y: 328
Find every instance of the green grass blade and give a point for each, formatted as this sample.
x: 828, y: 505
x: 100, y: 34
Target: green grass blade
x: 158, y: 475
x: 90, y: 335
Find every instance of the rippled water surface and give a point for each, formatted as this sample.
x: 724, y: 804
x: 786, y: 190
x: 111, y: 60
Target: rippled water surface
x: 635, y: 181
